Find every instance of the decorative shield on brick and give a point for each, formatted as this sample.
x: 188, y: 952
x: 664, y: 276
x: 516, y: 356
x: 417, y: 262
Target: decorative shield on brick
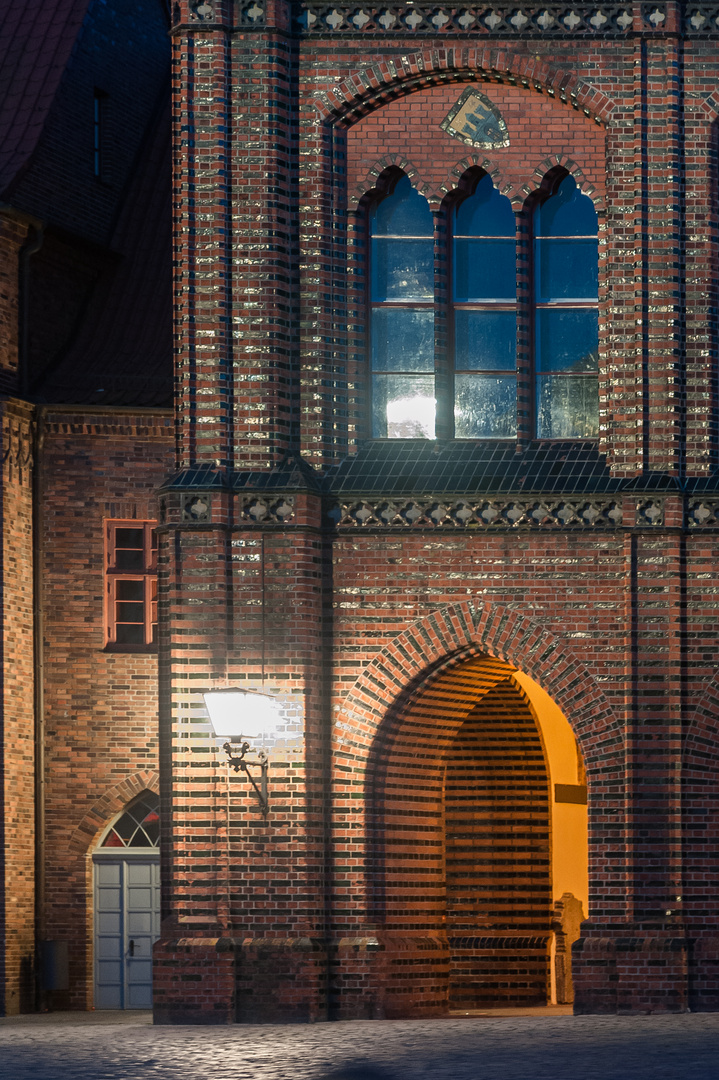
x: 476, y: 121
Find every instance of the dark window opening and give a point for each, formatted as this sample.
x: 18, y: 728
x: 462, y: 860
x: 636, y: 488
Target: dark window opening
x: 99, y: 117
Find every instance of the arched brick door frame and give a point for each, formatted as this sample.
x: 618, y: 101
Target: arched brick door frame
x: 700, y: 821
x: 391, y: 683
x: 408, y: 975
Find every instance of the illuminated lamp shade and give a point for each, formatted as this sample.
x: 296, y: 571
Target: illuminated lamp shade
x: 243, y: 714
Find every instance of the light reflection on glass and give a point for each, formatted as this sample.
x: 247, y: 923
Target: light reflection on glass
x: 411, y: 418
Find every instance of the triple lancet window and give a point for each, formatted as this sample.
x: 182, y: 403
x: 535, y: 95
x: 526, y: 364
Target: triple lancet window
x: 459, y: 358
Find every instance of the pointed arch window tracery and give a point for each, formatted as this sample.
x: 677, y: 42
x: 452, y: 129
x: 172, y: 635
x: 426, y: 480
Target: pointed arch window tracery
x: 137, y: 827
x: 457, y: 359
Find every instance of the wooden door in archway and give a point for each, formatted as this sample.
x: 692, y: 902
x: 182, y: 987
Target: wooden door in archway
x: 498, y: 856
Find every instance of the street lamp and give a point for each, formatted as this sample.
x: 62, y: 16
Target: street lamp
x: 241, y: 717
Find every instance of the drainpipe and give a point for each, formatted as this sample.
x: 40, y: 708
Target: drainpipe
x: 38, y: 493
x: 31, y: 246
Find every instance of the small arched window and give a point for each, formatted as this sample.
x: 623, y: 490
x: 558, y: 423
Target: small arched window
x: 484, y: 295
x: 402, y: 315
x: 137, y: 827
x: 566, y: 315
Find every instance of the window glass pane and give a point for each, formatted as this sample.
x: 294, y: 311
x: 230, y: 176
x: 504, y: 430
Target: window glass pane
x: 486, y: 213
x: 402, y: 339
x: 152, y: 831
x: 402, y: 269
x: 129, y: 538
x: 130, y: 613
x: 567, y: 407
x: 566, y: 269
x: 485, y: 340
x: 129, y: 560
x: 485, y: 407
x: 129, y: 634
x: 129, y: 553
x: 567, y: 213
x: 112, y: 840
x: 130, y: 590
x: 403, y: 213
x: 403, y: 406
x: 567, y: 340
x: 485, y: 270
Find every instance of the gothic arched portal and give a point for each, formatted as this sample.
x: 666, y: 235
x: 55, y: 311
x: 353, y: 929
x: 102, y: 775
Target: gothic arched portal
x: 477, y: 834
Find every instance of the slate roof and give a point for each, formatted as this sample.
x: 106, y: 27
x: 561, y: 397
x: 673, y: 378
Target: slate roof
x: 122, y: 354
x: 416, y: 466
x: 36, y: 42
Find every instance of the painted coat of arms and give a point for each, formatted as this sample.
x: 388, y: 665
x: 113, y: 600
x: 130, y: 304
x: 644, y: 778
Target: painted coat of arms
x: 477, y: 121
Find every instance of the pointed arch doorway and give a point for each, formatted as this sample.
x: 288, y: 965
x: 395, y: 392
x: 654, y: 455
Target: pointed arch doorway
x: 126, y: 902
x: 479, y: 831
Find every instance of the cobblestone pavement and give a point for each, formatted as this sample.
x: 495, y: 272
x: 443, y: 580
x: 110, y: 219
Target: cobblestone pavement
x: 108, y: 1046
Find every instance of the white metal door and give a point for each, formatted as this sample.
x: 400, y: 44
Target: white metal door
x: 127, y: 922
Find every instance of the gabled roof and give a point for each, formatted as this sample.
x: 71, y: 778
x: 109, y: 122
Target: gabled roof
x: 122, y: 354
x: 36, y: 41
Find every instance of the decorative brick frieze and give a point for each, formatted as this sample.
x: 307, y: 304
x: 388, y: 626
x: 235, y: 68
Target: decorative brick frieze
x: 701, y: 20
x: 650, y: 512
x: 213, y: 508
x: 259, y: 511
x: 500, y: 20
x: 18, y: 430
x: 702, y: 514
x: 480, y: 514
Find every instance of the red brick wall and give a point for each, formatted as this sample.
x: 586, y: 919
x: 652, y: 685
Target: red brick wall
x: 100, y: 706
x: 613, y: 622
x: 17, y: 918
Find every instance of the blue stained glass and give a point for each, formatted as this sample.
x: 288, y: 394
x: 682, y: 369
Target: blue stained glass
x: 566, y: 269
x: 402, y: 339
x: 567, y: 213
x: 485, y: 407
x: 567, y: 340
x: 567, y: 407
x: 403, y: 407
x: 485, y: 269
x: 485, y: 213
x: 485, y: 340
x: 402, y: 269
x: 403, y: 213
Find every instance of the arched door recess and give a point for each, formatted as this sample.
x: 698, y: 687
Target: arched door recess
x: 477, y: 807
x: 126, y: 892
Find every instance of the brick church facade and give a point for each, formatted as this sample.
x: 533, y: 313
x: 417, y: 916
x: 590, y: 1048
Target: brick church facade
x: 364, y: 357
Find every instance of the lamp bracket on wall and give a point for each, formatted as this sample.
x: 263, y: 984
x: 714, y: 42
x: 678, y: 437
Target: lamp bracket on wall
x: 236, y: 759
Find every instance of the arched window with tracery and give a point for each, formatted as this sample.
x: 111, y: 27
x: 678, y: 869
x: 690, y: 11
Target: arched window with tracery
x: 484, y: 301
x: 402, y: 315
x: 137, y: 827
x: 478, y: 387
x: 566, y: 301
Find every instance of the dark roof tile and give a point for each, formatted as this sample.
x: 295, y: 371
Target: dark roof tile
x: 36, y: 41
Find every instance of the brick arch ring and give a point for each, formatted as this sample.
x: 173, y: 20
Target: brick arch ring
x: 452, y: 635
x: 700, y: 747
x: 394, y: 76
x: 108, y: 806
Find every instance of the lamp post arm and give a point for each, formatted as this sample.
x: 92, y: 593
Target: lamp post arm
x: 240, y: 764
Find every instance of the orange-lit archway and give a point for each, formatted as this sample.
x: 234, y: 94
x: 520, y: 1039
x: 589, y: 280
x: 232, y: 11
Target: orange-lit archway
x: 478, y: 835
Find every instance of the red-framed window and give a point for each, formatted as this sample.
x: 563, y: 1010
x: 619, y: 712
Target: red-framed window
x: 130, y: 585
